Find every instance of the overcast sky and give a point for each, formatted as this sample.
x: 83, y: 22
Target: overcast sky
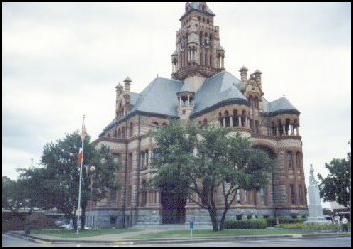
x: 63, y: 60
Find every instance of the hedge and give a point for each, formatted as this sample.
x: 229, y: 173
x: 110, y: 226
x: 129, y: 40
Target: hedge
x: 283, y: 220
x: 313, y: 226
x: 246, y: 224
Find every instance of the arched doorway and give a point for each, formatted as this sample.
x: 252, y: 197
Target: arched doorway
x: 173, y: 200
x: 173, y: 208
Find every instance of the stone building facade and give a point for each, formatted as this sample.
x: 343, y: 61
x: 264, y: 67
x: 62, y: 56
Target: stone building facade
x: 200, y: 90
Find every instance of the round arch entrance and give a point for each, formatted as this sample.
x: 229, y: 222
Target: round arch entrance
x: 173, y: 207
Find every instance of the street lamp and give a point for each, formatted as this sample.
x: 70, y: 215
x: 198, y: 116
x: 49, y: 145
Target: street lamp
x: 92, y: 169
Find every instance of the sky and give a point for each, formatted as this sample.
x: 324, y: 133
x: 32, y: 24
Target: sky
x: 63, y: 60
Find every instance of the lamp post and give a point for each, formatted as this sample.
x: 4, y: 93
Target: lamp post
x: 92, y: 168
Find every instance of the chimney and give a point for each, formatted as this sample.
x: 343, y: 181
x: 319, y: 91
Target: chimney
x: 258, y: 78
x: 243, y: 74
x: 127, y: 85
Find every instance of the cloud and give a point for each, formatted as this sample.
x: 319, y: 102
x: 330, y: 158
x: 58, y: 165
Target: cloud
x: 63, y: 60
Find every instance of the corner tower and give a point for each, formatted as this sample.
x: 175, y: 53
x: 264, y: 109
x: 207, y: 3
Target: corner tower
x: 198, y: 51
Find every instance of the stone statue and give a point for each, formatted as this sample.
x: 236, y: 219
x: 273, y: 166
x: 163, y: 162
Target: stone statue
x: 312, y: 178
x: 315, y: 208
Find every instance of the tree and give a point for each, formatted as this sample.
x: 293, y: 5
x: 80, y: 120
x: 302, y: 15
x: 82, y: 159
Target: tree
x: 13, y: 197
x: 202, y: 162
x: 337, y: 185
x: 56, y: 183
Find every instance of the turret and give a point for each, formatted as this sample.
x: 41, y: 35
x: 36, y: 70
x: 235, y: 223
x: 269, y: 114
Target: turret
x: 127, y: 82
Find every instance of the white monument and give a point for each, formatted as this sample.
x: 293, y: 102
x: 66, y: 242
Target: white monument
x: 315, y: 209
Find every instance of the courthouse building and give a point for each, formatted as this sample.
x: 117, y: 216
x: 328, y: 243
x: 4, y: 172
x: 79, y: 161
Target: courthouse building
x: 200, y: 90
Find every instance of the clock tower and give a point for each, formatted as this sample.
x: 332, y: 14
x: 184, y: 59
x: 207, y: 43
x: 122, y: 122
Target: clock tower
x: 198, y: 51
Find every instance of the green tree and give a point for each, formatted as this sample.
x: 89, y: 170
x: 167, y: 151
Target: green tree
x: 337, y: 185
x: 13, y: 195
x: 202, y: 162
x: 56, y: 183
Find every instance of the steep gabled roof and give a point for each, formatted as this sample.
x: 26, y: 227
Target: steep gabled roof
x: 281, y: 105
x: 216, y: 91
x: 159, y: 97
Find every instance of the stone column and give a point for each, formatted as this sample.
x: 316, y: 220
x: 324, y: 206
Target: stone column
x: 284, y: 129
x: 298, y: 131
x: 188, y: 100
x: 248, y: 126
x: 224, y: 122
x: 292, y: 129
x: 231, y: 121
x: 239, y: 118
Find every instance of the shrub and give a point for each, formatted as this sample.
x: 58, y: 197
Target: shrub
x: 313, y: 226
x: 40, y: 221
x: 12, y: 224
x: 245, y: 224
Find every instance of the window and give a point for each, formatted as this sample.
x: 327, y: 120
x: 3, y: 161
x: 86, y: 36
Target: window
x: 144, y: 194
x: 249, y: 217
x: 112, y: 196
x: 131, y: 129
x: 236, y: 120
x: 142, y: 160
x: 289, y: 160
x: 227, y: 119
x: 263, y: 197
x: 292, y: 194
x: 113, y: 220
x: 238, y: 197
x: 123, y: 132
x: 301, y: 199
x: 298, y: 162
x: 239, y: 217
x: 204, y: 123
x: 246, y: 197
x: 155, y: 126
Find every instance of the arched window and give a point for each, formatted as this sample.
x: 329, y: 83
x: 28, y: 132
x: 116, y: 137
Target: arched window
x: 220, y: 119
x: 155, y: 126
x: 227, y: 119
x: 274, y: 130
x: 123, y: 133
x: 256, y: 103
x: 243, y: 117
x: 289, y: 160
x: 257, y: 126
x: 298, y: 161
x: 287, y: 127
x: 119, y: 133
x: 235, y: 118
x: 131, y: 129
x: 204, y: 123
x: 144, y: 193
x: 115, y: 133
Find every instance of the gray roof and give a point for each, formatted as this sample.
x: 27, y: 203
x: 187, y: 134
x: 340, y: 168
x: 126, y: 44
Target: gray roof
x: 186, y: 88
x: 159, y: 97
x: 133, y: 98
x: 196, y: 6
x: 217, y: 90
x: 281, y: 105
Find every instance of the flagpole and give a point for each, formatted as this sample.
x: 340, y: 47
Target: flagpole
x: 79, y: 188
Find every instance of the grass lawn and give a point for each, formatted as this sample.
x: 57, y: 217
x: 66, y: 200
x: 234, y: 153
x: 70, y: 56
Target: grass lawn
x: 63, y: 233
x: 210, y: 233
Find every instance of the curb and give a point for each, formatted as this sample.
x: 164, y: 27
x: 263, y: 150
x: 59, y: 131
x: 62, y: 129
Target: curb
x: 124, y: 242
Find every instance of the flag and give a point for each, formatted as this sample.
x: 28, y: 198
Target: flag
x: 84, y: 132
x: 80, y: 156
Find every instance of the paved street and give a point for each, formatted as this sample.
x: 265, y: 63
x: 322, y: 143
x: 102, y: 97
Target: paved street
x: 9, y: 241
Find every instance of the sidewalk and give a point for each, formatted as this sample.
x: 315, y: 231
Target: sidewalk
x: 125, y: 238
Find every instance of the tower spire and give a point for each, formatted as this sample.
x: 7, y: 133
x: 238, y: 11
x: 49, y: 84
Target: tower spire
x: 198, y: 50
